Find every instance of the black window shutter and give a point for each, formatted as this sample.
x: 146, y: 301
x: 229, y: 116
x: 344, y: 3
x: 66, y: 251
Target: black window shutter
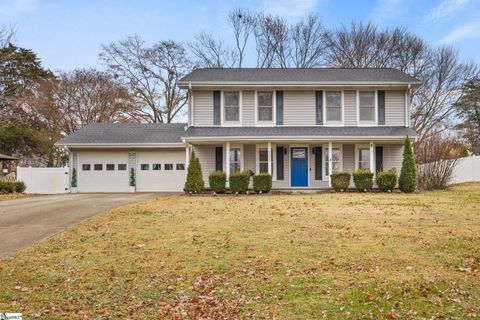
x: 216, y: 107
x: 280, y: 164
x: 280, y: 107
x: 219, y: 158
x: 381, y: 107
x: 319, y: 107
x: 318, y: 163
x: 379, y: 158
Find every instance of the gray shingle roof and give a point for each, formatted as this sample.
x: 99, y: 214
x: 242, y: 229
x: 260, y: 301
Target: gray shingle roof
x: 125, y: 133
x: 298, y: 131
x: 320, y: 75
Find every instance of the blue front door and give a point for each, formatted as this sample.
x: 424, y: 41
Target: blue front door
x: 299, y: 170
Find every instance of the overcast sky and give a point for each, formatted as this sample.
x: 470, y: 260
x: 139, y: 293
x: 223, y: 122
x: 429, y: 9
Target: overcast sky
x: 67, y: 34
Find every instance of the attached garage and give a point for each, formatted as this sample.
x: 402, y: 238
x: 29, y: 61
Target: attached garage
x: 102, y: 171
x: 104, y: 156
x: 160, y: 171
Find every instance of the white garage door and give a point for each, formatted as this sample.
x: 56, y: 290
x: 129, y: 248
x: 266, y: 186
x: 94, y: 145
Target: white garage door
x: 103, y: 171
x: 159, y: 171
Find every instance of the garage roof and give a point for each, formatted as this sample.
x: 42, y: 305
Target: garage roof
x: 126, y: 133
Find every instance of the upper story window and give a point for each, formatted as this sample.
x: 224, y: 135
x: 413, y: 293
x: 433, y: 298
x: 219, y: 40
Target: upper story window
x: 333, y: 106
x: 265, y: 106
x: 366, y: 106
x: 231, y: 103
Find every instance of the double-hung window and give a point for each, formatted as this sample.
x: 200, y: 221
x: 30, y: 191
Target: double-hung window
x: 231, y: 102
x: 363, y: 158
x: 235, y: 164
x: 333, y: 106
x: 265, y: 106
x: 366, y: 107
x: 263, y: 160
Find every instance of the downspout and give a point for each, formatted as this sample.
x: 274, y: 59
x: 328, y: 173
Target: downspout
x: 407, y: 106
x: 190, y: 104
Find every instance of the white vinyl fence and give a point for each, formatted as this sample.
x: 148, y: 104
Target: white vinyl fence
x: 44, y: 180
x: 466, y: 170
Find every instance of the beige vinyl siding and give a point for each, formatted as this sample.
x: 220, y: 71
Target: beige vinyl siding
x: 299, y: 108
x: 206, y: 155
x: 350, y: 112
x: 395, y: 108
x: 249, y: 157
x: 203, y: 108
x: 311, y: 169
x: 285, y: 183
x: 392, y: 157
x: 248, y: 108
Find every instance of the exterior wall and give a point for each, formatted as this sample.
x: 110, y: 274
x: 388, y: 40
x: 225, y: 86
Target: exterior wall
x: 285, y: 183
x: 299, y: 108
x: 350, y: 111
x: 203, y: 108
x: 248, y: 108
x: 206, y: 155
x: 395, y: 108
x: 392, y: 157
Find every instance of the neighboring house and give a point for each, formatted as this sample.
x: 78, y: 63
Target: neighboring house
x: 300, y: 125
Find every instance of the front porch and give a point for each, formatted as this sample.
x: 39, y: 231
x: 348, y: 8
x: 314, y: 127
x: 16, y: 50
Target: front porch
x: 297, y: 164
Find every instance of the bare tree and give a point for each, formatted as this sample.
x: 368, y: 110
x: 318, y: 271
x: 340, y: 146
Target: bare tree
x: 272, y: 41
x: 70, y: 101
x: 308, y: 37
x: 151, y: 73
x: 7, y: 35
x: 211, y: 52
x: 243, y: 24
x: 468, y: 110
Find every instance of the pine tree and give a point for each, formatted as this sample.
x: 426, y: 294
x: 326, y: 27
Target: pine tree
x: 408, y: 176
x: 194, y: 182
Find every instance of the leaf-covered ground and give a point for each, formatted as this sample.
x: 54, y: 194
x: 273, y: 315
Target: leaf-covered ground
x: 334, y: 256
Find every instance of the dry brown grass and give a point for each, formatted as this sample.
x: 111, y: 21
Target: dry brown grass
x: 301, y: 256
x: 13, y: 196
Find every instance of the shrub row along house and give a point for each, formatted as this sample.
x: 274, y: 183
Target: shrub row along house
x: 299, y: 125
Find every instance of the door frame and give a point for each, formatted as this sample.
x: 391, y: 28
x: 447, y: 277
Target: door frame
x: 290, y: 164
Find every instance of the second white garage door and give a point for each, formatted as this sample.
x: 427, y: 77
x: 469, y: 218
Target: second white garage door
x: 160, y: 171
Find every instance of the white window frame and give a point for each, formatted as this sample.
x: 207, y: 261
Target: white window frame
x: 342, y: 111
x: 242, y: 156
x: 223, y: 122
x: 274, y: 111
x: 274, y: 159
x: 367, y: 123
x: 325, y: 158
x: 357, y: 158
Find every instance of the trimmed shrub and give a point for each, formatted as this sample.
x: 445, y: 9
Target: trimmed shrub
x: 408, y: 175
x: 340, y: 180
x: 387, y: 180
x: 218, y: 181
x: 73, y: 183
x: 262, y: 183
x: 194, y: 182
x: 132, y: 177
x: 7, y: 187
x: 239, y: 182
x: 20, y: 187
x: 363, y: 179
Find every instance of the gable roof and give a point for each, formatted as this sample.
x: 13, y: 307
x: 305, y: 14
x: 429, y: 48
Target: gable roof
x: 199, y: 133
x: 297, y: 76
x: 126, y: 133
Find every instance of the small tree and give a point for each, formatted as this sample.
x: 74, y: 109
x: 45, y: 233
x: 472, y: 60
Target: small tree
x: 74, y: 178
x: 132, y: 177
x: 194, y: 182
x: 408, y: 175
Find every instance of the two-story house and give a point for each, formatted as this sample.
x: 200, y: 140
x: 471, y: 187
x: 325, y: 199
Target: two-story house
x: 300, y: 125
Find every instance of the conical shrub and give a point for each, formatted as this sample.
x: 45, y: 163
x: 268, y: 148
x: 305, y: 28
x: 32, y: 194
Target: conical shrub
x: 194, y: 182
x: 408, y: 176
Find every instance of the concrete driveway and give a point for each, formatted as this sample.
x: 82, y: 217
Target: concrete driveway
x: 26, y: 221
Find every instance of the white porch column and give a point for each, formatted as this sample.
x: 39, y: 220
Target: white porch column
x: 372, y: 154
x: 269, y: 152
x: 330, y: 166
x: 187, y: 155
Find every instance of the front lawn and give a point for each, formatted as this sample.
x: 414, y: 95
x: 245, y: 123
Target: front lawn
x: 13, y: 196
x: 334, y: 256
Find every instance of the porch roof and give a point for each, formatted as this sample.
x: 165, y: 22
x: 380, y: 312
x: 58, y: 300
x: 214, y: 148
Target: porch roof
x: 285, y: 132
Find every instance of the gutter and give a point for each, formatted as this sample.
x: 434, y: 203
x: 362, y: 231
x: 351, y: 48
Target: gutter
x: 121, y: 145
x: 189, y: 84
x: 294, y: 138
